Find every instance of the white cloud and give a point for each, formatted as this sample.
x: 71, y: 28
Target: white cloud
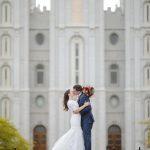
x: 43, y: 3
x: 111, y: 3
x: 107, y: 3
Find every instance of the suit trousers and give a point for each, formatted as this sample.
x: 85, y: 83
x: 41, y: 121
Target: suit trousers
x: 87, y: 127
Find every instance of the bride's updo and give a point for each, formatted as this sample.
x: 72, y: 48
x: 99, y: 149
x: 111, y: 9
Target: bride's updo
x: 66, y: 98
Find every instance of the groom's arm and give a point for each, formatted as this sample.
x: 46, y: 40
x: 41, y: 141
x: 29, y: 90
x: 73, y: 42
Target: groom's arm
x: 86, y: 109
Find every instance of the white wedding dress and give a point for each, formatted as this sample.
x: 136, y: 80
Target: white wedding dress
x: 73, y: 139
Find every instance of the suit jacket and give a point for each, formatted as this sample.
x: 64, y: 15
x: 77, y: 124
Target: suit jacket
x: 86, y: 113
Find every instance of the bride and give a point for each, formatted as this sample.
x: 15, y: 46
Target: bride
x: 73, y: 139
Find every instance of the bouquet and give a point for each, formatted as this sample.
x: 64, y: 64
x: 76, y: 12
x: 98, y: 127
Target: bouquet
x: 88, y: 90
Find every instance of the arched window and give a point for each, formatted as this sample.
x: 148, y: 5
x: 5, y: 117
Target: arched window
x: 147, y: 138
x: 147, y: 12
x: 114, y: 137
x: 147, y: 108
x: 114, y: 71
x: 77, y: 60
x: 40, y: 137
x: 6, y: 76
x: 40, y: 74
x: 147, y: 76
x: 5, y: 107
x: 6, y: 46
x: 147, y: 45
x: 6, y: 13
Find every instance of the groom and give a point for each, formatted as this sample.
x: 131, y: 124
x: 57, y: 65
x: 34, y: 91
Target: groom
x: 86, y: 116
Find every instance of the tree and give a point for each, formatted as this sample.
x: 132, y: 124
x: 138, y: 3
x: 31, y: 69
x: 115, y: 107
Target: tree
x: 147, y: 123
x: 10, y: 138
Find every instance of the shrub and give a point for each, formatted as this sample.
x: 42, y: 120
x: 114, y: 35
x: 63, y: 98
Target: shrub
x: 10, y: 138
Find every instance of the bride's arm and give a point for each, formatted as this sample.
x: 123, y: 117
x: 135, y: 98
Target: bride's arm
x: 82, y: 107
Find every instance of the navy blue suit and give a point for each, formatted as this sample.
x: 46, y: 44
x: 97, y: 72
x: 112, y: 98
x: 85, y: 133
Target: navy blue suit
x: 87, y: 120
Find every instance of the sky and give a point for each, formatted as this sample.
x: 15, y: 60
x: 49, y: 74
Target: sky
x: 107, y: 3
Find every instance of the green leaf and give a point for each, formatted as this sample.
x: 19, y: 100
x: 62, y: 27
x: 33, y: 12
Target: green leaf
x: 10, y: 138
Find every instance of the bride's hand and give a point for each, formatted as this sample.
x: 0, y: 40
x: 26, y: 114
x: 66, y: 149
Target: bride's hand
x: 87, y: 104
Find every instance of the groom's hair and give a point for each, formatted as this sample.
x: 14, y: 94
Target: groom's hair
x: 78, y: 87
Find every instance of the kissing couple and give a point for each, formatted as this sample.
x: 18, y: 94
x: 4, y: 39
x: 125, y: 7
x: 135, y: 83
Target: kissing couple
x: 77, y: 101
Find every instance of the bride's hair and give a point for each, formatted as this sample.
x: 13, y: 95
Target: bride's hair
x: 66, y: 98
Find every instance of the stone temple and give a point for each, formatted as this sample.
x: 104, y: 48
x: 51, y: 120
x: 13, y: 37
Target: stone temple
x: 43, y: 53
